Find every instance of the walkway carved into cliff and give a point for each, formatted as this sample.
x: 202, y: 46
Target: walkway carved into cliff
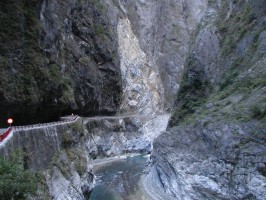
x: 8, y: 133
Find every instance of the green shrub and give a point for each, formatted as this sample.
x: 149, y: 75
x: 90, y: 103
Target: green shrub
x: 229, y: 78
x: 262, y: 171
x: 236, y: 26
x: 259, y: 111
x: 77, y: 156
x: 67, y: 141
x: 192, y: 94
x: 15, y: 181
x: 99, y: 29
x: 76, y: 127
x: 98, y: 5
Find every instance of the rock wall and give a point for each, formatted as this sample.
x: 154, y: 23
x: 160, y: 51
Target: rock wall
x: 79, y: 37
x: 119, y: 56
x: 57, y: 56
x: 34, y: 141
x: 159, y: 34
x: 142, y: 88
x: 214, y: 145
x: 92, y: 57
x: 119, y: 135
x: 164, y: 29
x: 217, y: 161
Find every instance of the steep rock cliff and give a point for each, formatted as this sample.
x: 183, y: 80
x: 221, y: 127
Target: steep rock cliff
x: 130, y: 56
x: 163, y: 30
x: 57, y: 56
x: 92, y: 57
x: 214, y: 147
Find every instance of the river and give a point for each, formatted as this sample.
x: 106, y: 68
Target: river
x: 118, y: 180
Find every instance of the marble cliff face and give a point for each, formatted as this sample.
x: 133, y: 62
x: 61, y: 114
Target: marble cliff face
x: 201, y: 60
x: 93, y: 57
x: 214, y: 147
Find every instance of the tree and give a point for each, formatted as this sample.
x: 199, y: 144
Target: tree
x: 16, y: 183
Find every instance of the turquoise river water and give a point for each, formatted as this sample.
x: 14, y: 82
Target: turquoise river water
x: 118, y: 180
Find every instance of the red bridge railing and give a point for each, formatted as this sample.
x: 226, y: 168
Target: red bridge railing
x: 5, y: 134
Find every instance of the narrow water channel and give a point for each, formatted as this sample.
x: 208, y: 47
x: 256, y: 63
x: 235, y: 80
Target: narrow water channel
x: 118, y: 180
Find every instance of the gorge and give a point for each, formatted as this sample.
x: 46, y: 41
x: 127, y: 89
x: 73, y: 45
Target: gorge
x: 183, y: 80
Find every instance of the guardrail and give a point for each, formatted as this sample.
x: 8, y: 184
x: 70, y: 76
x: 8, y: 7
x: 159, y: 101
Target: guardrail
x: 4, y: 135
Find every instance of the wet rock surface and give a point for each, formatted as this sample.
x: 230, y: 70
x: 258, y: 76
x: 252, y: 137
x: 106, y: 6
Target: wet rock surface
x: 164, y: 29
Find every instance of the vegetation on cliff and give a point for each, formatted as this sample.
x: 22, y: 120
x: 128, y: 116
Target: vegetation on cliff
x: 235, y: 90
x: 27, y: 76
x: 15, y: 181
x: 56, y: 56
x: 214, y: 147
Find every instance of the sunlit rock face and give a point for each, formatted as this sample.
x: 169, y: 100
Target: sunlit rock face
x: 153, y: 41
x: 142, y: 87
x: 164, y: 30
